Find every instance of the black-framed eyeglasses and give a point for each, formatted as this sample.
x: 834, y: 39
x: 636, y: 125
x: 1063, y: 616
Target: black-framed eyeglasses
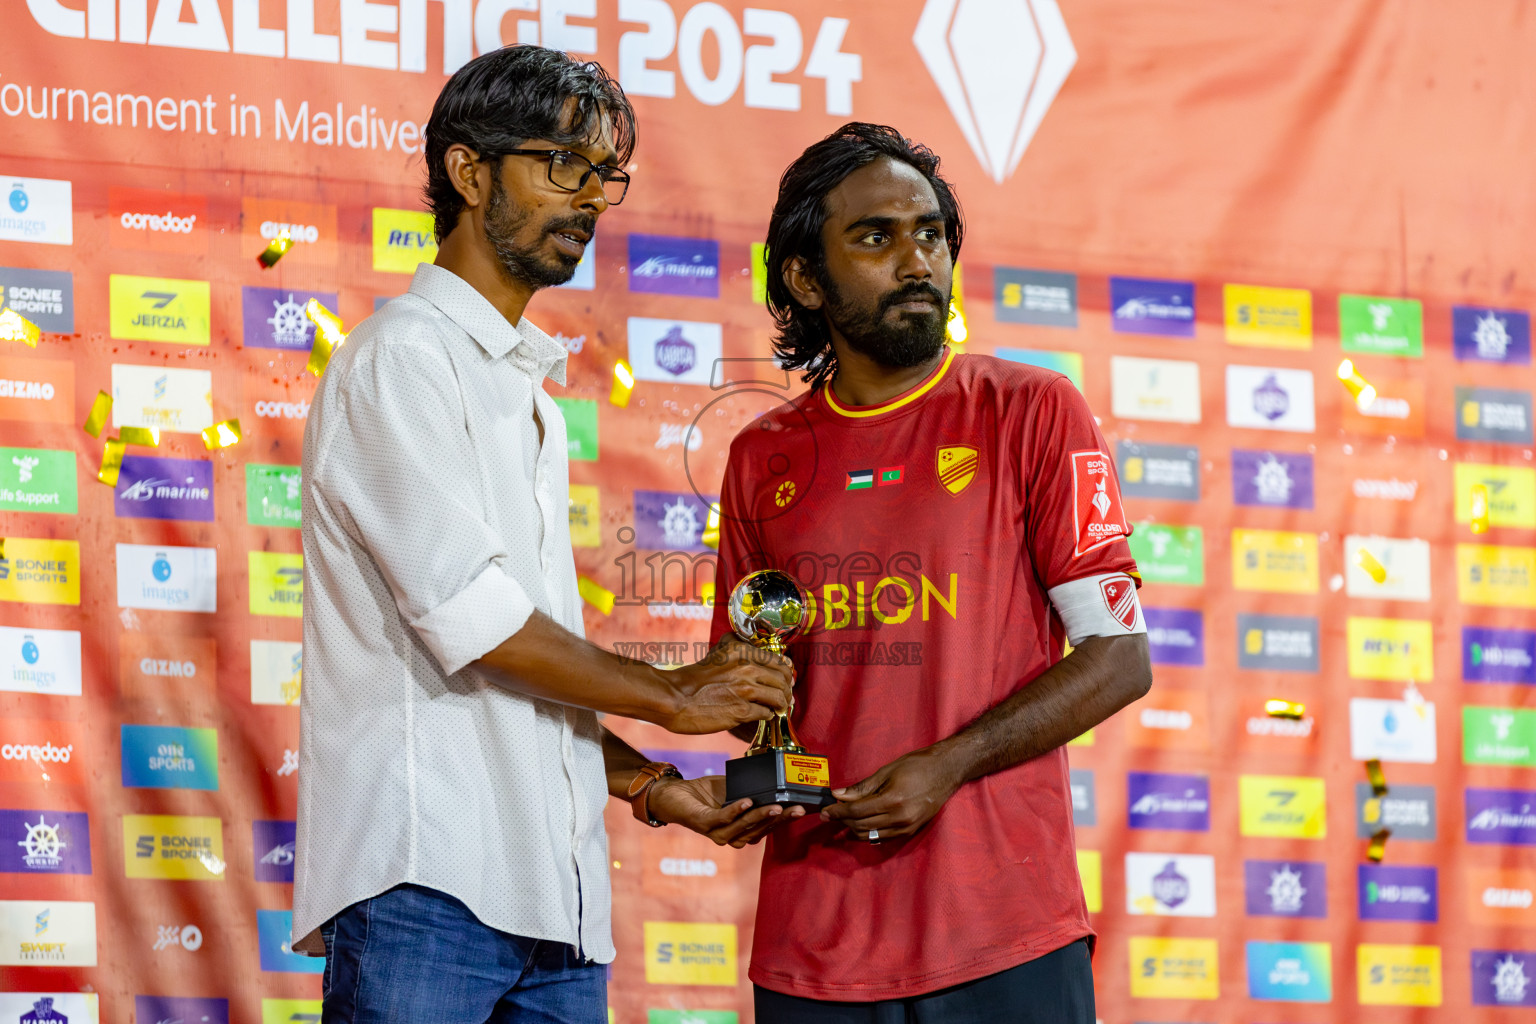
x: 569, y: 172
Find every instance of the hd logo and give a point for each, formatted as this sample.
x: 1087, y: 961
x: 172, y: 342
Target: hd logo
x: 160, y: 309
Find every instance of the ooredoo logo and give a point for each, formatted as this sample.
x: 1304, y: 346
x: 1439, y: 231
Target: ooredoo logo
x: 43, y: 751
x: 998, y: 65
x: 156, y: 221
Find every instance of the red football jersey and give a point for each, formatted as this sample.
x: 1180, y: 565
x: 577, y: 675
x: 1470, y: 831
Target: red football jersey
x: 928, y: 531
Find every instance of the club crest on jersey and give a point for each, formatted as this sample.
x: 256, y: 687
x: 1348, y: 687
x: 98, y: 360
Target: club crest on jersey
x: 1100, y: 517
x: 1120, y: 598
x: 957, y: 466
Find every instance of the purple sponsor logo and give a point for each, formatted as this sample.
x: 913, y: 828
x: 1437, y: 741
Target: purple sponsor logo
x: 1393, y: 892
x: 274, y: 317
x: 1491, y: 335
x: 1270, y: 400
x: 45, y: 843
x: 272, y: 843
x: 1271, y: 479
x: 1503, y: 977
x: 1501, y: 816
x: 1156, y: 800
x: 675, y: 353
x: 177, y: 1010
x: 674, y: 266
x: 1498, y: 655
x: 156, y: 488
x: 1176, y: 636
x: 670, y: 521
x: 694, y: 764
x: 1285, y: 888
x: 1147, y: 306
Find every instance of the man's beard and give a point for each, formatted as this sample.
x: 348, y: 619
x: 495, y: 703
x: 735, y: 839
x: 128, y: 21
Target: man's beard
x: 526, y: 262
x: 910, y: 340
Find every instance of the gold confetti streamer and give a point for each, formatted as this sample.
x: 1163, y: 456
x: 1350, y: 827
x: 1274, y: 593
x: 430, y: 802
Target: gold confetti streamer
x: 595, y: 594
x: 222, y: 434
x: 15, y: 327
x: 275, y: 250
x: 101, y: 408
x: 1479, y: 508
x: 1367, y: 561
x: 1377, y: 776
x: 710, y: 538
x: 1358, y: 387
x: 707, y: 594
x: 111, y: 461
x: 956, y: 329
x: 144, y: 437
x: 329, y: 336
x: 623, y: 384
x: 1291, y: 709
x: 1378, y: 848
x: 2, y: 547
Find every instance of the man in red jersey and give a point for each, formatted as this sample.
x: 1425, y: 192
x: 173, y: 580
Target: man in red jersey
x: 956, y: 520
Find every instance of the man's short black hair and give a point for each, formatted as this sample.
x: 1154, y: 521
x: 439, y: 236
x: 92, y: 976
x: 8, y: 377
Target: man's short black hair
x: 501, y: 99
x: 804, y: 341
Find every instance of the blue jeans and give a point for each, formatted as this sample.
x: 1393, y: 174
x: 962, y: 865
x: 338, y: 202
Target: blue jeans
x: 418, y: 956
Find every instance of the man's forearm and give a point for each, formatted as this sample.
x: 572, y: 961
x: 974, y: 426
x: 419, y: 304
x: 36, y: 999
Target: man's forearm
x: 1100, y: 676
x: 622, y: 762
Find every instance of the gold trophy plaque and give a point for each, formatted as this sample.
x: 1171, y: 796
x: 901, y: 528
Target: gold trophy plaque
x: 768, y: 610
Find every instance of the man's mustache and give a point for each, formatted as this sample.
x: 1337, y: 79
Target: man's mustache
x: 914, y: 293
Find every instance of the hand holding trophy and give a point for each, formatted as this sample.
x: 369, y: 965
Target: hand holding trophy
x: 767, y: 610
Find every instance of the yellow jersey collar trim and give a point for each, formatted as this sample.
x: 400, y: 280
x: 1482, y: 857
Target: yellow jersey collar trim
x: 861, y: 412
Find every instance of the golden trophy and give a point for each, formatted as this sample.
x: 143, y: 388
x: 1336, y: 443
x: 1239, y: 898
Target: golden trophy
x: 768, y: 610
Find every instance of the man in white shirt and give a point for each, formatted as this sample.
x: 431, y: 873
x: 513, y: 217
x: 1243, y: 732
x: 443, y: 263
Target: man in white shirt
x: 451, y: 861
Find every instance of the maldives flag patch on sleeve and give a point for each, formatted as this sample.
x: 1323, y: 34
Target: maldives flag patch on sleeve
x: 1097, y: 513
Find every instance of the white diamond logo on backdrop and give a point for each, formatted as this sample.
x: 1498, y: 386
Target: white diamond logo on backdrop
x: 999, y: 65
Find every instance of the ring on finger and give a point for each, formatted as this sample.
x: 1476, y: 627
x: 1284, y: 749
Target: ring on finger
x: 873, y: 835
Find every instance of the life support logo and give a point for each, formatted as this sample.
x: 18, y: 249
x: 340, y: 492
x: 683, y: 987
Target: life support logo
x: 998, y: 64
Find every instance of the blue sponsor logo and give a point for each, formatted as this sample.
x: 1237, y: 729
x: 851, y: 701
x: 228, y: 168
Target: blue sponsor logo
x: 45, y: 842
x: 670, y: 521
x: 274, y: 317
x: 170, y: 757
x: 1503, y: 977
x: 1285, y: 888
x: 1491, y: 335
x: 1392, y: 892
x: 156, y: 488
x: 1503, y: 816
x: 1292, y: 972
x: 272, y: 845
x: 1159, y: 800
x: 674, y: 266
x: 1146, y: 306
x: 1271, y: 479
x: 1498, y: 655
x: 1176, y: 636
x: 273, y: 928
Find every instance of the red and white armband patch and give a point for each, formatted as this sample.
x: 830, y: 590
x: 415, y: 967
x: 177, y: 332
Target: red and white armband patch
x: 1096, y: 510
x: 1103, y: 605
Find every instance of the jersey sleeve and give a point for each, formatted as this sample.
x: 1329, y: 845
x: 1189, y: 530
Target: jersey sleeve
x: 1075, y: 522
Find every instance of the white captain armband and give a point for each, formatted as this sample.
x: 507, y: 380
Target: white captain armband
x: 1103, y: 605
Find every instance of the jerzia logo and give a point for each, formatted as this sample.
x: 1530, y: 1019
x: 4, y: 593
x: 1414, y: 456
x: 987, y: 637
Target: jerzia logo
x: 998, y: 65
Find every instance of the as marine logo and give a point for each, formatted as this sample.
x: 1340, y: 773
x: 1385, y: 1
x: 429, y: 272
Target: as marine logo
x: 956, y: 466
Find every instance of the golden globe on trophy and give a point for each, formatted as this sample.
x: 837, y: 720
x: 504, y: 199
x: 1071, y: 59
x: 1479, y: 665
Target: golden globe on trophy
x: 768, y: 610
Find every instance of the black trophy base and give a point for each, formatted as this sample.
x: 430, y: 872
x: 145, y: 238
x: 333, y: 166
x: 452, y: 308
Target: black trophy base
x: 774, y: 777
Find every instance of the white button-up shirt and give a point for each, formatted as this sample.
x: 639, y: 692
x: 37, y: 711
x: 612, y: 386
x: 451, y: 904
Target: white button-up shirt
x: 434, y: 524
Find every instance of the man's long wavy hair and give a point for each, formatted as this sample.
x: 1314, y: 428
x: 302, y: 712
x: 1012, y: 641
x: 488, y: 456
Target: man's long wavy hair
x: 804, y: 341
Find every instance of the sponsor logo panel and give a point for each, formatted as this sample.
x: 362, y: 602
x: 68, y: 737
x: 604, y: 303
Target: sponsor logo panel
x: 40, y: 571
x: 47, y: 933
x: 1498, y: 655
x: 1409, y: 811
x: 1501, y: 577
x: 581, y: 428
x: 46, y: 297
x: 1173, y: 968
x: 673, y: 351
x: 276, y: 583
x: 273, y: 495
x: 170, y: 757
x: 1398, y: 975
x: 1100, y: 517
x: 1275, y: 561
x: 664, y: 265
x: 272, y: 843
x: 1391, y: 649
x: 1502, y: 897
x: 1491, y: 414
x: 690, y: 953
x: 679, y: 866
x: 180, y: 1010
x: 277, y: 672
x: 34, y: 842
x: 156, y: 221
x: 40, y: 750
x: 1398, y: 410
x: 1505, y: 736
x: 1391, y: 730
x: 1085, y: 799
x: 1068, y: 364
x: 274, y: 317
x: 312, y: 226
x: 1176, y: 635
x: 1501, y: 816
x: 159, y: 666
x: 50, y: 1007
x: 37, y: 390
x: 1042, y: 297
x: 1158, y: 471
x: 272, y: 932
x: 1090, y: 871
x: 1381, y: 326
x: 160, y: 309
x: 1282, y: 806
x: 1279, y: 643
x: 172, y: 579
x: 1491, y: 335
x: 670, y: 520
x: 290, y: 1011
x: 38, y: 480
x: 1398, y: 892
x: 1285, y: 888
x: 1169, y: 554
x: 585, y: 516
x: 40, y: 661
x: 1163, y: 390
x: 1141, y: 305
x: 1171, y: 885
x: 1510, y: 492
x: 1171, y: 720
x: 162, y: 397
x: 38, y: 210
x: 1268, y: 317
x: 1406, y: 562
x: 1270, y: 398
x: 156, y: 488
x: 1271, y: 479
x: 402, y: 239
x: 1503, y: 977
x: 1291, y: 972
x: 1164, y: 801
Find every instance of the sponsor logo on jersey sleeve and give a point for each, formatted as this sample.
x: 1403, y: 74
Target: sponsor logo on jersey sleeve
x: 1496, y: 576
x: 45, y: 661
x: 1285, y: 888
x: 1158, y: 471
x: 1510, y: 490
x: 1282, y: 806
x: 690, y: 953
x: 38, y: 480
x: 1383, y: 326
x: 1099, y: 519
x: 1498, y: 655
x: 1491, y: 414
x: 157, y: 221
x: 162, y: 397
x: 1163, y: 390
x: 1068, y: 364
x: 1262, y: 317
x: 1409, y: 811
x: 1163, y: 801
x: 1398, y: 975
x: 46, y: 297
x: 37, y: 390
x: 276, y: 583
x: 312, y: 226
x: 40, y: 571
x: 402, y: 239
x: 1488, y: 335
x: 1392, y: 730
x: 160, y: 309
x: 38, y: 210
x: 1290, y: 972
x: 34, y: 842
x: 1141, y: 305
x: 170, y: 757
x: 1501, y: 816
x: 1270, y: 398
x: 673, y: 351
x: 1503, y: 736
x: 664, y: 265
x: 47, y: 933
x: 1041, y: 297
x: 1277, y: 561
x: 1170, y: 885
x: 1390, y: 649
x: 1271, y: 479
x: 274, y: 317
x: 1174, y: 968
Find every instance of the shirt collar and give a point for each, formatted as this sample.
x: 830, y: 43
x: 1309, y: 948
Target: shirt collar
x: 530, y: 349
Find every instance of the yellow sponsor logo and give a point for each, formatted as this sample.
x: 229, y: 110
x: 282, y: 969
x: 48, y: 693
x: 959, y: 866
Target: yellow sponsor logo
x: 40, y: 571
x: 1090, y: 868
x: 1085, y: 740
x: 402, y: 239
x: 585, y: 516
x: 290, y: 1011
x: 690, y: 953
x: 1173, y: 968
x: 1277, y: 561
x: 1268, y: 317
x: 1391, y: 649
x: 1504, y: 577
x: 169, y: 846
x: 1511, y: 494
x: 160, y: 309
x: 1282, y: 806
x: 277, y: 584
x: 1398, y: 975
